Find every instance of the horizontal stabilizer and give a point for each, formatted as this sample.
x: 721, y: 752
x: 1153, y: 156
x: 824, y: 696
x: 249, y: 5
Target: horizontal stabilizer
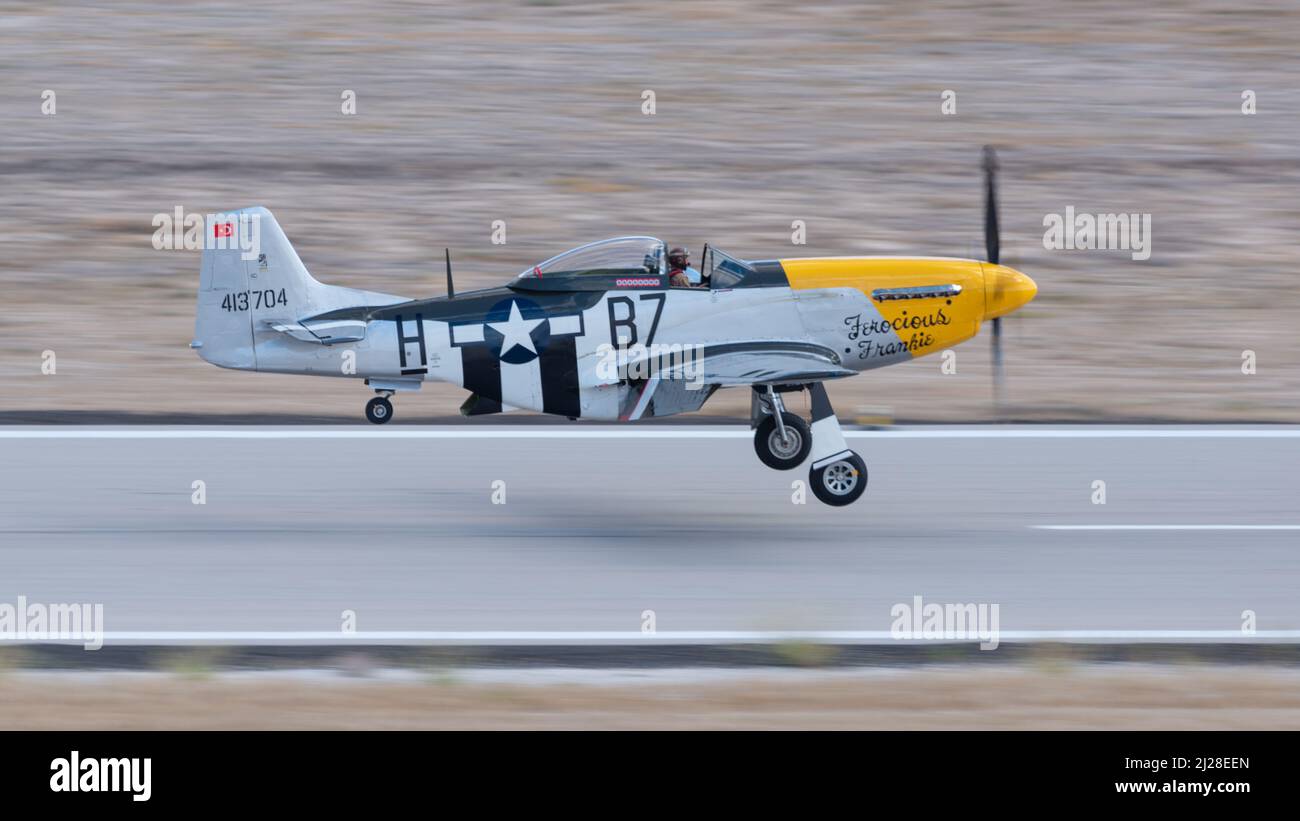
x: 324, y: 332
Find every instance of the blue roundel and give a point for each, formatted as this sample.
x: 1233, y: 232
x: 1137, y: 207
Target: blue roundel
x: 519, y: 327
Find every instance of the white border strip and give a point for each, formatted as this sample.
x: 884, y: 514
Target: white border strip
x: 630, y: 432
x: 1165, y: 527
x: 630, y: 637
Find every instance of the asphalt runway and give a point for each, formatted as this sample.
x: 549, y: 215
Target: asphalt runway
x: 600, y: 525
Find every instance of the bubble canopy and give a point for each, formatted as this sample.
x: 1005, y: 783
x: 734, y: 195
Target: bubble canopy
x: 646, y: 256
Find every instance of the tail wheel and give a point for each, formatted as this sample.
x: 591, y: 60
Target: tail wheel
x: 841, y: 482
x: 783, y: 452
x: 379, y: 410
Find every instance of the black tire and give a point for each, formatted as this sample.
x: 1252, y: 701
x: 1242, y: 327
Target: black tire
x: 379, y: 410
x: 776, y: 454
x: 841, y: 482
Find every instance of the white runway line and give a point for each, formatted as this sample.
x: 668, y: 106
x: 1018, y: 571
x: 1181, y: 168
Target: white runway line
x: 1165, y: 527
x: 362, y: 433
x: 630, y: 637
x: 693, y: 432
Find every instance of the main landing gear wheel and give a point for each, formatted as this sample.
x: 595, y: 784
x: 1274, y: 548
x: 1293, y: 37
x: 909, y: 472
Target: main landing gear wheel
x: 379, y: 410
x: 841, y: 482
x: 783, y: 452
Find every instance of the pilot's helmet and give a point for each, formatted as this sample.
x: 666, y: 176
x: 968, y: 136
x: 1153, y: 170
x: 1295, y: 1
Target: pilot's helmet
x: 678, y: 257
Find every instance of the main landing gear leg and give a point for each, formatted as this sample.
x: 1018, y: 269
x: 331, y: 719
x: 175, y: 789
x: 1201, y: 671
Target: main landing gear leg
x: 782, y: 439
x: 838, y: 475
x: 379, y: 410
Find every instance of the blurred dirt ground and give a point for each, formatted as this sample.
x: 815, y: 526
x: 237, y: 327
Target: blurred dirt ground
x: 1181, y: 698
x: 530, y: 112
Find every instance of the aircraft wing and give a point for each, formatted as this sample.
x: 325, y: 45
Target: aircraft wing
x: 759, y: 362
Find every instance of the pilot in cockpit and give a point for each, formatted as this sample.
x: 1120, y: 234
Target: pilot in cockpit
x: 680, y: 272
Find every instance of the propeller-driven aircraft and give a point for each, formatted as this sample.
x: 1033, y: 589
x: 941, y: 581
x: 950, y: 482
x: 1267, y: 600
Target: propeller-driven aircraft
x: 602, y: 332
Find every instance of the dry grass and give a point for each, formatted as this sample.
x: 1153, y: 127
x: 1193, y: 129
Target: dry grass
x: 1092, y: 698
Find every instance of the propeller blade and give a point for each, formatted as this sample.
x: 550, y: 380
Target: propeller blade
x: 993, y: 250
x: 997, y: 360
x: 992, y: 240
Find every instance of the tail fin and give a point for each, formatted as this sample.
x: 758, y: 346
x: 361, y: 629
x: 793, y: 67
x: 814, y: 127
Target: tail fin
x: 250, y: 279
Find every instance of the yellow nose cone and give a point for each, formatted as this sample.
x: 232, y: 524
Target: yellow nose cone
x: 1005, y: 290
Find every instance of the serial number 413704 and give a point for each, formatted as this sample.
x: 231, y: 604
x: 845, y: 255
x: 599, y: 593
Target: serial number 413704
x: 241, y: 300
